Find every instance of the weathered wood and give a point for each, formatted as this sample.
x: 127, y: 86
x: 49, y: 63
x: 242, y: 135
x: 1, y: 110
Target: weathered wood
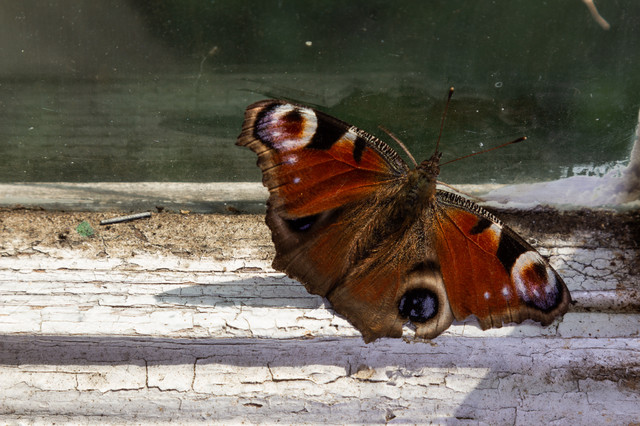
x: 109, y: 196
x: 180, y: 317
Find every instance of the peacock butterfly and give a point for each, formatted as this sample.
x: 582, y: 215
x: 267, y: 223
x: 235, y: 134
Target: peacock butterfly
x: 353, y: 223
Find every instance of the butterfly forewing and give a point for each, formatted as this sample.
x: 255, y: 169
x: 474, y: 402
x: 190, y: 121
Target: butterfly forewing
x: 314, y: 162
x: 489, y: 271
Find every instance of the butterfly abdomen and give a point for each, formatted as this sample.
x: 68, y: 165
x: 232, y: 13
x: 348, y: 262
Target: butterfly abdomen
x: 416, y: 193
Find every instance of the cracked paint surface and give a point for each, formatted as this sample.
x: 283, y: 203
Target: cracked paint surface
x: 181, y: 318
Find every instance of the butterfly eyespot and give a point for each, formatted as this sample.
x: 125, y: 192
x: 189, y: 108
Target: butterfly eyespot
x: 302, y: 224
x: 419, y: 305
x: 535, y: 282
x: 285, y: 127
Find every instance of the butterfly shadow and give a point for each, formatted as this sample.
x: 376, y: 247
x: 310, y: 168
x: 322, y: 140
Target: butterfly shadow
x: 256, y: 291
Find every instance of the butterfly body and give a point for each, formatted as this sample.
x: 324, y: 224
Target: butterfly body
x: 353, y: 223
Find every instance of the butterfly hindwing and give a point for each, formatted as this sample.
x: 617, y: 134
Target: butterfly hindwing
x: 399, y: 282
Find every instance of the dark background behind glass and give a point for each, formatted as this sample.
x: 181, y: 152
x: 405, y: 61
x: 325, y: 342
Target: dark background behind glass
x: 155, y: 91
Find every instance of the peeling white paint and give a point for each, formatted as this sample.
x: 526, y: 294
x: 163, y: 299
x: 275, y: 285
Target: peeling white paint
x: 153, y: 338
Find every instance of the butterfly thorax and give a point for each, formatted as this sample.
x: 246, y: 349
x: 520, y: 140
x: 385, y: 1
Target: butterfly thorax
x: 418, y: 191
x: 421, y: 181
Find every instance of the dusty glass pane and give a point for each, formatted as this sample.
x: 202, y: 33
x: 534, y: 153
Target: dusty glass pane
x: 155, y: 91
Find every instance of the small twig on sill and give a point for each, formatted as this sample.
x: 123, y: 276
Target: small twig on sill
x: 125, y: 218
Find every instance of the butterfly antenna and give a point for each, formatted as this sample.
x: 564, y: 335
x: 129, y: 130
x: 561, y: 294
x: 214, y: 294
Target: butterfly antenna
x: 444, y: 114
x: 399, y: 142
x: 523, y: 138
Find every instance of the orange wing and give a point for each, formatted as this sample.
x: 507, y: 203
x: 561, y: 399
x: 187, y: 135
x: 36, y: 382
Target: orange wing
x: 489, y: 271
x: 325, y: 180
x: 312, y: 162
